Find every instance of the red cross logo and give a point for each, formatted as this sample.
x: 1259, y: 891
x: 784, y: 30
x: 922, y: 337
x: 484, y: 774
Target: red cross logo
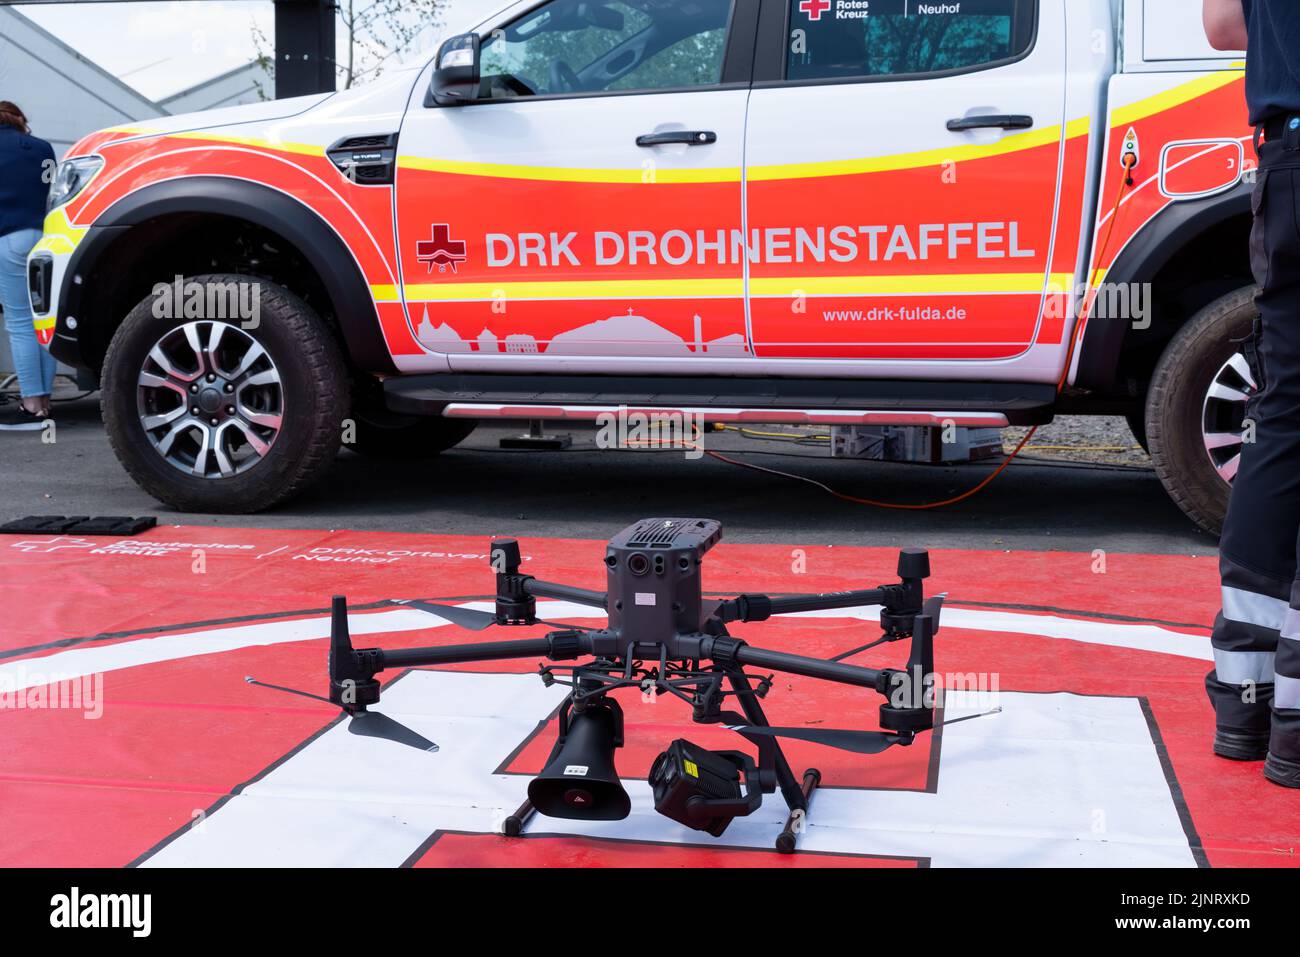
x: 442, y: 251
x: 814, y: 8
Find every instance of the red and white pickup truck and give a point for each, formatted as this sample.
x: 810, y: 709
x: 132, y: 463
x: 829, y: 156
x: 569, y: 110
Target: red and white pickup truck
x: 820, y: 211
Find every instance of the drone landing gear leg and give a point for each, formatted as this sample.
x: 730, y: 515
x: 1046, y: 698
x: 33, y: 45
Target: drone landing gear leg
x: 515, y: 823
x: 795, y: 823
x: 796, y: 795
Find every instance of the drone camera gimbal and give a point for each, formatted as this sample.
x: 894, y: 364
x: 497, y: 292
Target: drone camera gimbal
x: 664, y: 637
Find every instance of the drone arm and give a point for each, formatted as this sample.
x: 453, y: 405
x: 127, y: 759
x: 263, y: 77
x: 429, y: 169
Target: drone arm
x: 810, y: 667
x: 580, y: 596
x: 763, y: 607
x: 900, y: 602
x: 848, y: 599
x: 548, y: 647
x: 353, y: 684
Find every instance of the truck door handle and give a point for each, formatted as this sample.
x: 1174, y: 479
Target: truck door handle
x: 998, y: 121
x: 687, y: 137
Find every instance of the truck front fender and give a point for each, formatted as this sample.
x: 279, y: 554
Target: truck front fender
x: 278, y: 212
x: 1156, y: 245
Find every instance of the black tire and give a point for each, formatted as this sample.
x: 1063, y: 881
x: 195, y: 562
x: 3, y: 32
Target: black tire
x: 1176, y: 405
x: 409, y: 441
x: 313, y: 385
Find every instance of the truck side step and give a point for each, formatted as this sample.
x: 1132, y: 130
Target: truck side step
x: 768, y: 400
x: 468, y: 410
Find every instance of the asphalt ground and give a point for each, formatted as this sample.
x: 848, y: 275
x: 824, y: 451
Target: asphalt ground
x: 1040, y: 503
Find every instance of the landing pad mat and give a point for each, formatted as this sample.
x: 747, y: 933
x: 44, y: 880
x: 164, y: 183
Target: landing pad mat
x: 131, y: 735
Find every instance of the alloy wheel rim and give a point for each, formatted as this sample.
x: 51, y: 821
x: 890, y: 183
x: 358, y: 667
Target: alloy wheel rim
x: 1223, y: 415
x: 210, y: 399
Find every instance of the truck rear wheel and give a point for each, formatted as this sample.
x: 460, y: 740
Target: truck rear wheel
x: 1196, y: 407
x: 223, y: 415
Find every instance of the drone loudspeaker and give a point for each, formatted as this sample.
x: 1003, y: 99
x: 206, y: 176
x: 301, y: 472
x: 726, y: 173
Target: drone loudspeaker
x: 580, y: 782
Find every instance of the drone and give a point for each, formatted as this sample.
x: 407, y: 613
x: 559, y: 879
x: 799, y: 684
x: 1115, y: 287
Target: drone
x: 663, y: 637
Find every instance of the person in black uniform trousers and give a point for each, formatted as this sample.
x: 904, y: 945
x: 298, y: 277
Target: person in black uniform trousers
x: 1255, y: 684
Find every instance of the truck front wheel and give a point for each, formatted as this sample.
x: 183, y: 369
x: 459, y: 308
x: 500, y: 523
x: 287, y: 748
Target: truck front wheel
x: 225, y: 415
x: 1196, y: 407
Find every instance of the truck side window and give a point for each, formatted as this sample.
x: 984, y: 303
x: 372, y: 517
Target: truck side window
x: 692, y: 61
x: 570, y: 47
x: 881, y: 38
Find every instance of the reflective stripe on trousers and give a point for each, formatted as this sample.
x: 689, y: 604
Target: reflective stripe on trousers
x: 1254, y: 609
x: 1244, y: 667
x: 1266, y: 614
x: 1286, y: 693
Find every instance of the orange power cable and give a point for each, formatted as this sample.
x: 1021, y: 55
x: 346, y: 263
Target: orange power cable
x: 1125, y: 182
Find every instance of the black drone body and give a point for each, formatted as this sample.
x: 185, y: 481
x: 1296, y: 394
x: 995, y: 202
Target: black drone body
x: 664, y: 637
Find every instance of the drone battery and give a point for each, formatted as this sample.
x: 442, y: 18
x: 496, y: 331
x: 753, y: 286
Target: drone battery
x: 687, y: 771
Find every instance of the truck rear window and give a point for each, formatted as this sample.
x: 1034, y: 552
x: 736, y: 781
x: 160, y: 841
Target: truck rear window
x: 878, y: 38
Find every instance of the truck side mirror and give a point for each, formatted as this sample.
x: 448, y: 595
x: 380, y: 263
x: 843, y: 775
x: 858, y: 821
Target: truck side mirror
x: 456, y: 72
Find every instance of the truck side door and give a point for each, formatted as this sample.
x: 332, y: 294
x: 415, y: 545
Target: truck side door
x: 902, y: 171
x: 587, y: 202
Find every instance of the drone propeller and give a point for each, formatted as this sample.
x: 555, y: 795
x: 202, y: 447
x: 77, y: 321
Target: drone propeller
x: 469, y: 618
x: 370, y: 724
x: 859, y: 742
x: 933, y: 606
x: 374, y: 724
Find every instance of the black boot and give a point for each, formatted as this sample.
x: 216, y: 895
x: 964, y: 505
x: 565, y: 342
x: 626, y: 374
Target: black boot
x: 1241, y: 745
x: 1281, y: 771
x: 1283, y: 764
x: 1242, y: 731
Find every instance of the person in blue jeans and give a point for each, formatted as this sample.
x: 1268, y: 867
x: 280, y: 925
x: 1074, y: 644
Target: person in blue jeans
x: 26, y: 171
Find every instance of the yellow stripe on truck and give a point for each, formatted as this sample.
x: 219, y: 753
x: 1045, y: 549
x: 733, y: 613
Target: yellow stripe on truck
x: 61, y: 237
x: 1013, y: 143
x: 1175, y: 96
x: 253, y: 142
x: 1027, y: 282
x: 956, y: 153
x: 654, y: 176
x: 593, y: 289
x: 1007, y: 283
x: 562, y: 174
